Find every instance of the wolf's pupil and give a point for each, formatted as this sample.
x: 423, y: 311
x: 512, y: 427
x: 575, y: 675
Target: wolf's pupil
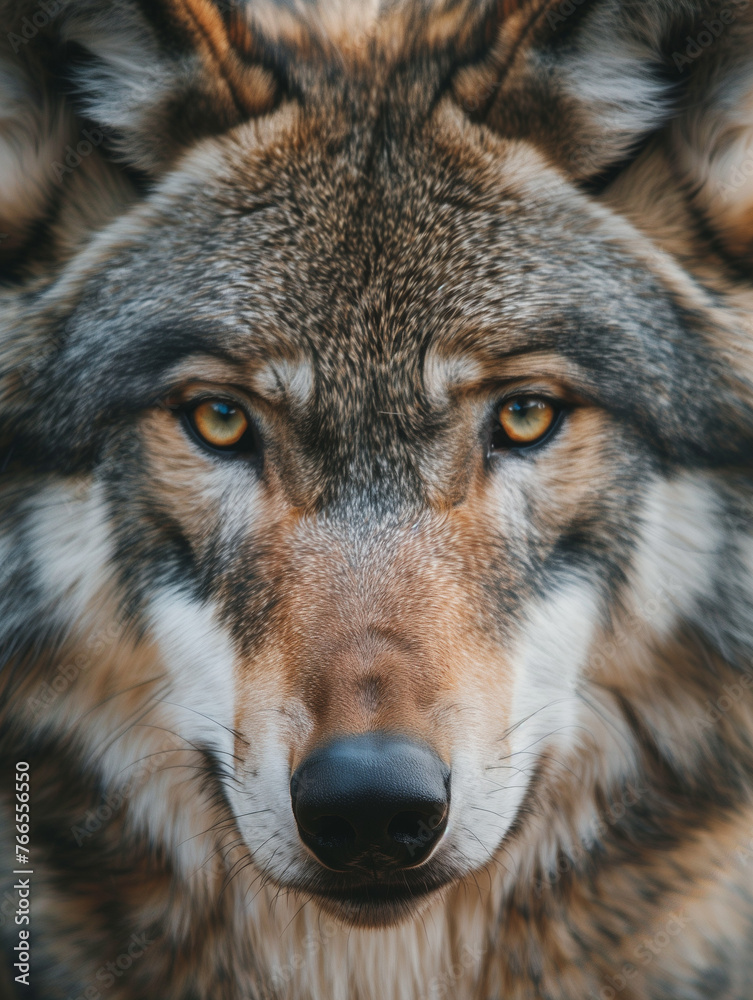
x: 219, y: 423
x: 525, y: 421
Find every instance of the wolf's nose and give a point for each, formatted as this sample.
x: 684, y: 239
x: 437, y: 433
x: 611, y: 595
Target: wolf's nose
x: 374, y: 801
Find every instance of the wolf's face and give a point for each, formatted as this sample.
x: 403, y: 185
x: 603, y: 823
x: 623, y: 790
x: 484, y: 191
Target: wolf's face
x: 378, y: 453
x: 382, y: 424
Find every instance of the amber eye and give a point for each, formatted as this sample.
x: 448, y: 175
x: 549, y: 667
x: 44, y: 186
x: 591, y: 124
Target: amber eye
x: 524, y: 421
x: 220, y: 424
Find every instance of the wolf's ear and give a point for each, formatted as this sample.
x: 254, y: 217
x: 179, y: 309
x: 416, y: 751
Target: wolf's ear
x: 588, y: 81
x: 85, y: 82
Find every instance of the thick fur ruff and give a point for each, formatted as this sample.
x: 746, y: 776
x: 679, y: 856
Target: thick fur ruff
x: 370, y: 226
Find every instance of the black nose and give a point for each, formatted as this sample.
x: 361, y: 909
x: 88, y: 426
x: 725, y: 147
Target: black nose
x: 375, y: 801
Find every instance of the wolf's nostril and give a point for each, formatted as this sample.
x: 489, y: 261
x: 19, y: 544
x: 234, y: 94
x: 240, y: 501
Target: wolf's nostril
x: 413, y: 828
x: 372, y: 800
x: 333, y: 831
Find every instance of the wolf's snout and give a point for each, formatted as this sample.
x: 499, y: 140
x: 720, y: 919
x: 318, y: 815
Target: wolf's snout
x: 374, y: 801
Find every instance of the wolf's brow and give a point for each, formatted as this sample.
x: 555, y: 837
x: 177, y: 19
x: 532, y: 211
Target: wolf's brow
x: 288, y: 378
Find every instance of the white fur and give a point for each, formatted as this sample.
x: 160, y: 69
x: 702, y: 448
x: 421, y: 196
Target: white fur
x: 678, y: 549
x: 286, y: 378
x: 442, y: 373
x: 200, y: 662
x: 312, y: 957
x: 677, y: 555
x: 130, y: 79
x: 713, y: 145
x: 611, y: 75
x: 180, y: 690
x: 550, y: 658
x: 153, y: 751
x: 71, y: 546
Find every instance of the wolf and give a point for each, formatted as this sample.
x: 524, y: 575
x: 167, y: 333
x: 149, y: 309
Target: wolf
x: 376, y: 436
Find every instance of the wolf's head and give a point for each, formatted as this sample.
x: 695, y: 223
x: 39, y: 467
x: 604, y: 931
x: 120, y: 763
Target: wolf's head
x: 372, y: 381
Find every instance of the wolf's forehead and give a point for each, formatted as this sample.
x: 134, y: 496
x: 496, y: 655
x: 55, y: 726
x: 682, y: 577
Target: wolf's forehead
x: 371, y: 287
x: 436, y: 371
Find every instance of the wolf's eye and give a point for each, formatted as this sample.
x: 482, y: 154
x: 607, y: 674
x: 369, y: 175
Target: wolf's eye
x: 524, y: 421
x: 221, y: 425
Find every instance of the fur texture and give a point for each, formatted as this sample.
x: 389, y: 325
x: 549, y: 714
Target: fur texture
x: 369, y: 226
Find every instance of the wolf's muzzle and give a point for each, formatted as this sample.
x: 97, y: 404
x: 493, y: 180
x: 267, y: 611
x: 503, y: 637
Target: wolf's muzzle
x: 374, y: 802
